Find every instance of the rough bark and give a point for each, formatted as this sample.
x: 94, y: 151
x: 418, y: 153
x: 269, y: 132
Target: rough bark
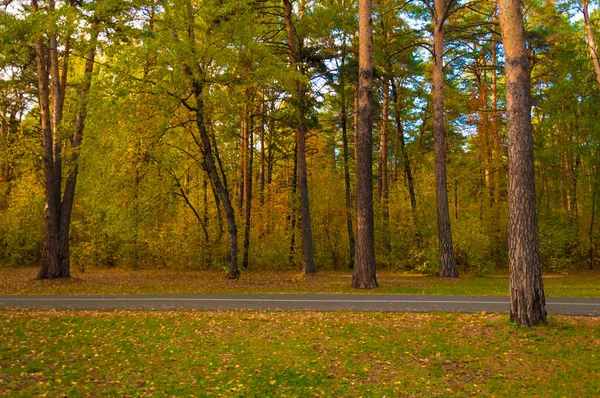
x: 447, y: 262
x: 51, y: 85
x: 527, y: 301
x: 364, y: 270
x: 308, y: 263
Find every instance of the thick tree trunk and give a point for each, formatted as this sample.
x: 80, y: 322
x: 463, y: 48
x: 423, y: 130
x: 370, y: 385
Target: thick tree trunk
x: 308, y: 263
x: 526, y: 288
x: 447, y: 262
x: 52, y: 81
x: 406, y: 165
x: 364, y: 270
x: 591, y: 39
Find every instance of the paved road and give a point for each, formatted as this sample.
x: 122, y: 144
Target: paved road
x: 291, y: 302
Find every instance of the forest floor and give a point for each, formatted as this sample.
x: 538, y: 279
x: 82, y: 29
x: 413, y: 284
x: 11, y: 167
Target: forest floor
x: 299, y: 354
x: 17, y: 281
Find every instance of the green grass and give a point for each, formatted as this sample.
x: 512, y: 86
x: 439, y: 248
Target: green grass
x: 14, y: 281
x: 296, y: 354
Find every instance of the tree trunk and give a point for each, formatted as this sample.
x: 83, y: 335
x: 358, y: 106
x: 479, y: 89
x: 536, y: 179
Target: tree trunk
x: 526, y: 288
x: 51, y: 82
x: 383, y: 167
x: 346, y: 158
x: 591, y: 39
x: 308, y: 264
x: 364, y: 270
x: 497, y: 158
x: 406, y: 165
x: 447, y: 262
x: 195, y: 72
x: 248, y: 194
x: 292, y: 216
x: 261, y: 175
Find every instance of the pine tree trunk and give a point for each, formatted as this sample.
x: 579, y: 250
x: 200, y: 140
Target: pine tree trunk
x: 447, y: 262
x: 364, y: 270
x: 526, y: 288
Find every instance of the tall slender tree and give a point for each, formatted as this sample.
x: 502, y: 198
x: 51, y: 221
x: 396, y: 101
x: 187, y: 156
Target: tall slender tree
x: 447, y: 261
x: 364, y: 270
x: 308, y: 262
x: 527, y: 301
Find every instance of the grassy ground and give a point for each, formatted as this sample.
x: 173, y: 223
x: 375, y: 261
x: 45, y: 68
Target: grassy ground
x: 121, y: 281
x: 262, y: 354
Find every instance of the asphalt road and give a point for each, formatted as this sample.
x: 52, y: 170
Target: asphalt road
x: 297, y: 302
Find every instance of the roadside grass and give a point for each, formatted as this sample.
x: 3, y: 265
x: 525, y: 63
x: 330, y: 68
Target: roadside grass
x: 16, y: 281
x: 294, y: 354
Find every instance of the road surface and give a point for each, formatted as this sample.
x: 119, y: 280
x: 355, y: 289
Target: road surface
x: 297, y: 302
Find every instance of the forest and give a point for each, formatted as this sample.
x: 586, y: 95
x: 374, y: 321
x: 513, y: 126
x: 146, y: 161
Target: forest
x: 225, y: 134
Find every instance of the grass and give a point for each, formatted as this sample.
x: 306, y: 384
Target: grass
x: 294, y: 354
x: 15, y: 281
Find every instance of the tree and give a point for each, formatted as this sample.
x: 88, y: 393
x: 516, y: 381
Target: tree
x: 294, y: 49
x: 527, y: 301
x: 591, y: 39
x: 52, y: 77
x: 447, y: 261
x: 364, y: 270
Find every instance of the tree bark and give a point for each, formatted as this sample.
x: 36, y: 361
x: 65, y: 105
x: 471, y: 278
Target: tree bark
x: 364, y: 270
x: 527, y: 301
x: 308, y: 263
x: 447, y: 262
x: 51, y: 84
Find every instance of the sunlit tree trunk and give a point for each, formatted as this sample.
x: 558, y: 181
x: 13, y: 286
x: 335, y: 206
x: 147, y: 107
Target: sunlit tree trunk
x: 364, y: 269
x: 527, y: 301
